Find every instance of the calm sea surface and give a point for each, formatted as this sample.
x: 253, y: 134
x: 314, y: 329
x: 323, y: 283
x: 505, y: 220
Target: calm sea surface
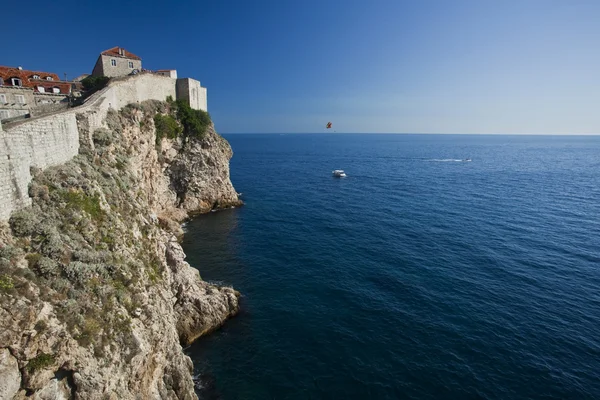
x: 418, y: 276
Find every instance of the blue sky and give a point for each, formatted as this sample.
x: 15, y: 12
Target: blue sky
x: 420, y: 66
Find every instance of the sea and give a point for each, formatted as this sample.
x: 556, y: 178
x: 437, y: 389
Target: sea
x: 441, y: 267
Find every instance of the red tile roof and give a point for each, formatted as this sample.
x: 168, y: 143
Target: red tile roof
x: 114, y: 52
x: 26, y: 77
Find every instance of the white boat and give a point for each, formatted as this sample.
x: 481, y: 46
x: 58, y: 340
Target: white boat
x: 339, y: 173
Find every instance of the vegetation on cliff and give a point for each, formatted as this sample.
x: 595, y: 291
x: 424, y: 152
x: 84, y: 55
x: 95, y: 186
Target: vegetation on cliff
x: 88, y: 258
x: 79, y: 246
x: 179, y: 118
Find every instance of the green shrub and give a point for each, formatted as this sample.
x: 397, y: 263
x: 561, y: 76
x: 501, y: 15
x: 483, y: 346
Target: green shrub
x: 94, y: 83
x: 32, y: 259
x: 91, y: 329
x: 6, y: 282
x: 41, y: 326
x: 166, y: 126
x: 103, y: 137
x: 46, y: 267
x: 23, y: 222
x: 151, y: 107
x: 195, y: 122
x: 41, y: 361
x: 79, y: 200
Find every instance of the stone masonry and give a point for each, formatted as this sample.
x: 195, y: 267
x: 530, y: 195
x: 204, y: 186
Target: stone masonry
x: 191, y: 90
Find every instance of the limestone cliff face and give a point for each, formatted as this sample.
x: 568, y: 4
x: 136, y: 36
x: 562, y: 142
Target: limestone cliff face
x: 95, y: 294
x: 200, y: 175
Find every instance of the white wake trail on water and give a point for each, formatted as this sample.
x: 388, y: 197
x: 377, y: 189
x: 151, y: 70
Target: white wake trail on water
x: 448, y: 160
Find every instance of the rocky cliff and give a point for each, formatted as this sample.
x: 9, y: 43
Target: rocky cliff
x: 95, y: 295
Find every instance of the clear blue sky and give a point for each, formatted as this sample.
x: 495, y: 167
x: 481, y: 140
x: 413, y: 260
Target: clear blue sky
x: 419, y: 66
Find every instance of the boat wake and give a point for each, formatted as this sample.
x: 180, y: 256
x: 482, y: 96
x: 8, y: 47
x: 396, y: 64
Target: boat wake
x: 450, y: 160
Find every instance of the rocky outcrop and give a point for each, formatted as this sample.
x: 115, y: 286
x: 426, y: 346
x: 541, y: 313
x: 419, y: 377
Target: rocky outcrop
x: 96, y: 298
x: 200, y: 307
x: 200, y: 175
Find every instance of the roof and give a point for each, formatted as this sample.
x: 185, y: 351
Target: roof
x: 25, y: 75
x: 27, y: 80
x: 114, y: 52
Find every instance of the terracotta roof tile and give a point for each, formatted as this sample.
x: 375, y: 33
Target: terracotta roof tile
x: 114, y: 52
x: 26, y: 77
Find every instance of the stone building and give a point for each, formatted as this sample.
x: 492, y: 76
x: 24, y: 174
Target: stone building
x: 24, y: 92
x: 120, y: 62
x: 117, y: 62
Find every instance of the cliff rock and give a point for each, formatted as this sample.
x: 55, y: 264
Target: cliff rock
x: 96, y: 298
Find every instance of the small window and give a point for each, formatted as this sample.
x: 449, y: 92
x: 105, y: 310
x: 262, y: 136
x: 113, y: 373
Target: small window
x: 55, y: 90
x: 41, y: 89
x: 49, y: 78
x: 130, y: 64
x: 35, y: 77
x: 113, y: 62
x: 20, y: 98
x: 16, y: 82
x: 2, y: 98
x: 3, y: 114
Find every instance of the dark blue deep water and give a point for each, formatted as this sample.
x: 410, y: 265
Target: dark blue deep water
x: 415, y: 277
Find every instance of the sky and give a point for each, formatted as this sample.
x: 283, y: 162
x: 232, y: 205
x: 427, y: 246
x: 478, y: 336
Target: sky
x: 283, y: 66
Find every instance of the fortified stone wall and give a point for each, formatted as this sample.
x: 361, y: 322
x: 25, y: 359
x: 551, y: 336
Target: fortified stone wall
x: 191, y: 90
x: 55, y: 139
x: 41, y: 143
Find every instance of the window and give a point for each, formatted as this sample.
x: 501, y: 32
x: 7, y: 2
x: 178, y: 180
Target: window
x: 113, y: 62
x: 35, y: 77
x: 49, y: 78
x: 2, y: 98
x: 16, y: 82
x: 3, y: 114
x: 20, y: 98
x: 55, y: 90
x: 41, y: 89
x: 130, y: 64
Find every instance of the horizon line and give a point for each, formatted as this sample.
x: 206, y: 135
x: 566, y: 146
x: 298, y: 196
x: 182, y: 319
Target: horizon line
x: 409, y: 133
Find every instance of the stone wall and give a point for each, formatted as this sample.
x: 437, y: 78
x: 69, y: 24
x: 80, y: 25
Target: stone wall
x: 191, y: 90
x: 40, y: 143
x: 46, y: 103
x: 55, y: 139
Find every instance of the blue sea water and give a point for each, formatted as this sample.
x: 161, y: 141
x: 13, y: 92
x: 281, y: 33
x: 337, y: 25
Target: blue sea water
x: 418, y: 276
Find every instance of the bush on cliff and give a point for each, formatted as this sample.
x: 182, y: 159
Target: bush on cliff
x: 94, y: 83
x: 166, y: 126
x: 195, y: 122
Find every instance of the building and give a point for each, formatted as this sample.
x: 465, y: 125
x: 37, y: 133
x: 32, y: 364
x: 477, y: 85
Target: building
x: 23, y: 92
x: 117, y: 62
x: 120, y: 62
